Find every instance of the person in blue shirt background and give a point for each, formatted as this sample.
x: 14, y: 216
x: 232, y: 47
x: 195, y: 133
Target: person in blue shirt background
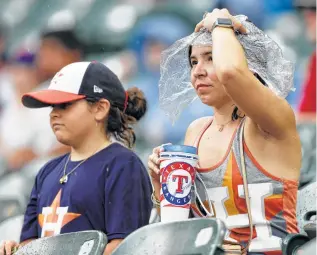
x: 101, y: 184
x: 148, y: 43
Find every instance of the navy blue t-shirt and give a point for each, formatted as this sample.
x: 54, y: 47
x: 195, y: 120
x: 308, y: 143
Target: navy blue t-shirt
x: 110, y: 192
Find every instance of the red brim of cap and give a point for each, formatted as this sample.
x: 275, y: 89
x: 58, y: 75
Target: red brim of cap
x: 48, y: 97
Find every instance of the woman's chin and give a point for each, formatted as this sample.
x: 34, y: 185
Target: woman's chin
x: 206, y: 100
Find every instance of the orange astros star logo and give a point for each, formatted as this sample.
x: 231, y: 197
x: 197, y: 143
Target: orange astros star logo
x: 54, y: 217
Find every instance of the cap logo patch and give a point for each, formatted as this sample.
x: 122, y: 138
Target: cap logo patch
x: 97, y: 89
x: 57, y: 76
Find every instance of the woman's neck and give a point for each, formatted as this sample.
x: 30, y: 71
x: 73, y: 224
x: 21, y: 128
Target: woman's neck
x: 223, y: 114
x: 89, y: 146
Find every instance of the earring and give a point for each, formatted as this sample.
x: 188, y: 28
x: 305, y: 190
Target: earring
x: 240, y: 116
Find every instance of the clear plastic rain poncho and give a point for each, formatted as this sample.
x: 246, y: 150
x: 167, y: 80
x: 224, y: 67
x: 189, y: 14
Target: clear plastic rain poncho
x: 264, y: 57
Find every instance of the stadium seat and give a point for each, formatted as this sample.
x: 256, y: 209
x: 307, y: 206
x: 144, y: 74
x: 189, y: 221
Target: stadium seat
x: 14, y: 195
x: 15, y: 189
x: 307, y: 133
x: 193, y: 236
x: 306, y: 205
x: 10, y: 229
x: 308, y: 248
x: 298, y: 244
x: 85, y: 242
x: 305, y: 241
x: 10, y: 206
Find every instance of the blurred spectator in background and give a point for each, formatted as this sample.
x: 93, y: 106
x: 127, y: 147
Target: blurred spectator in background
x: 24, y: 134
x: 23, y: 137
x: 21, y: 77
x: 124, y: 64
x: 57, y: 49
x: 254, y: 9
x: 307, y: 106
x: 3, y: 73
x: 2, y: 46
x: 151, y: 35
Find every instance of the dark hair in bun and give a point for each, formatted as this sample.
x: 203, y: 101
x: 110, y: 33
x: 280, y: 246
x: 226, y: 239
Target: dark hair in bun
x: 120, y: 123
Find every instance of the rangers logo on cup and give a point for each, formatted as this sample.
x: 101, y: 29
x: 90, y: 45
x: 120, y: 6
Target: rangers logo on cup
x: 177, y: 182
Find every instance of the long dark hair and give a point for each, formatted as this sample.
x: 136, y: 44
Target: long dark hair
x: 235, y: 114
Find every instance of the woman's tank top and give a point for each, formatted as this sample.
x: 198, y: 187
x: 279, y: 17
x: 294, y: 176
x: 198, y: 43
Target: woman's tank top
x: 272, y: 199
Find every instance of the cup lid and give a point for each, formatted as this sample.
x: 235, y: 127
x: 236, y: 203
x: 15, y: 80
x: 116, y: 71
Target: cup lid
x: 180, y: 148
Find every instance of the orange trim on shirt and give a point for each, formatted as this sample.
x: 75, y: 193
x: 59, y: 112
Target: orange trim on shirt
x: 208, y: 169
x: 289, y: 195
x: 260, y: 168
x: 289, y: 206
x: 273, y: 252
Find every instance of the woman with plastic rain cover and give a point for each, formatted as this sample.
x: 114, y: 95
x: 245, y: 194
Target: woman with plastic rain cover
x: 250, y: 146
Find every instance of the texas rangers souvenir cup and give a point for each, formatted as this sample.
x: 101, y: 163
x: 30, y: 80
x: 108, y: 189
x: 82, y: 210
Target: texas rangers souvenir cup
x: 178, y: 171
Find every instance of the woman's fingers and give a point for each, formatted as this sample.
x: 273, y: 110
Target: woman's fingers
x: 153, y: 167
x: 237, y: 25
x: 199, y: 26
x: 153, y: 163
x: 162, y: 147
x: 154, y: 159
x: 210, y: 18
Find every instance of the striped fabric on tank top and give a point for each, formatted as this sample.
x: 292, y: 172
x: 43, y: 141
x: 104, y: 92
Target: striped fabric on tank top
x: 272, y: 199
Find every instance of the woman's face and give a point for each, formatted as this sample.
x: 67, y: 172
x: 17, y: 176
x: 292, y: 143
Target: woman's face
x: 72, y: 122
x: 204, y: 79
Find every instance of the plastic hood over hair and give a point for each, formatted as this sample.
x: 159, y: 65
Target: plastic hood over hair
x: 264, y: 57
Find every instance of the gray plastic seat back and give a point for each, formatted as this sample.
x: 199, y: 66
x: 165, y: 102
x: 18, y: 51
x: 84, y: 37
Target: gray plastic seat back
x: 10, y: 229
x: 307, y: 133
x: 11, y: 207
x: 190, y: 237
x: 13, y: 199
x: 81, y: 243
x: 306, y: 205
x: 307, y: 248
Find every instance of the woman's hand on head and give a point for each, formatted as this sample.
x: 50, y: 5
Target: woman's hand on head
x: 211, y: 17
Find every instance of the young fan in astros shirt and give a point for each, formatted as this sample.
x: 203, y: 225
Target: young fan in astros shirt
x: 101, y: 185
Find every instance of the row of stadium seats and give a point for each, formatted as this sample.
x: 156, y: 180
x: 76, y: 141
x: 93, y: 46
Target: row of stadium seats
x: 206, y: 236
x: 193, y: 236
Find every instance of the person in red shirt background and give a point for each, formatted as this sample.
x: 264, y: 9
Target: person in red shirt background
x: 307, y: 105
x: 308, y: 100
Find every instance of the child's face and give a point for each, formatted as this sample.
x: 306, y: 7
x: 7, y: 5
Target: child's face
x: 72, y: 122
